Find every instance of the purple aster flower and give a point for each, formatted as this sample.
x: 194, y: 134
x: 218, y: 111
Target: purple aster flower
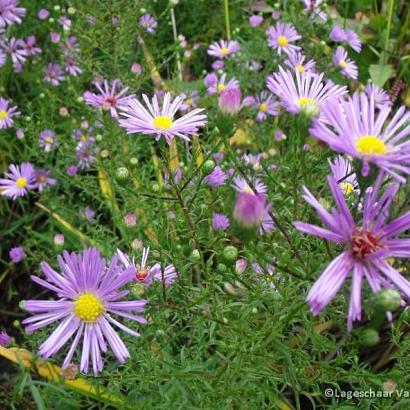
x: 379, y: 95
x: 72, y: 170
x: 191, y: 99
x: 136, y: 68
x: 17, y: 254
x: 83, y: 135
x: 342, y: 171
x: 220, y: 222
x: 175, y: 177
x: 240, y: 266
x: 59, y: 239
x: 216, y: 178
x: 70, y: 47
x: 71, y: 67
x: 10, y: 13
x: 254, y: 65
x: 55, y: 37
x: 160, y: 121
x: 307, y: 93
x: 219, y: 156
x: 347, y: 66
x: 43, y: 14
x: 297, y: 62
x: 281, y: 36
x: 147, y: 275
x: 314, y: 7
x: 264, y: 274
x: 255, y: 20
x: 30, y: 47
x: 2, y: 58
x: 229, y: 101
x: 5, y: 339
x: 240, y: 185
x: 148, y: 23
x: 218, y: 64
x: 216, y: 86
x: 108, y: 99
x: 88, y: 214
x: 251, y: 211
x: 223, y: 49
x: 369, y: 242
x: 18, y: 181
x: 65, y: 23
x: 354, y: 127
x: 353, y: 40
x: 7, y: 114
x: 130, y: 219
x: 43, y: 179
x: 20, y: 133
x: 276, y: 14
x: 16, y: 48
x: 47, y: 140
x: 254, y: 160
x: 85, y: 154
x: 337, y: 34
x: 89, y: 293
x: 266, y: 105
x: 54, y: 74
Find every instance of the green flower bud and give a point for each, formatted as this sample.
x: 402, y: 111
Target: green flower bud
x: 104, y: 153
x: 137, y: 290
x: 133, y: 161
x: 155, y: 187
x: 208, y: 166
x: 369, y: 337
x: 122, y: 174
x: 387, y: 300
x: 221, y: 268
x: 195, y: 255
x: 230, y: 253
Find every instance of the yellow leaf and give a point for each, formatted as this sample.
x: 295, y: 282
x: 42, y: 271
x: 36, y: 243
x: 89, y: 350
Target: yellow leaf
x: 106, y: 190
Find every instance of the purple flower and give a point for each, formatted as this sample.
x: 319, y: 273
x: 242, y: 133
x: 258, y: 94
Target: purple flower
x: 240, y: 185
x: 136, y: 68
x: 148, y: 23
x: 7, y: 114
x: 218, y: 64
x: 147, y: 275
x: 72, y: 170
x: 108, y: 99
x: 20, y: 133
x: 43, y: 14
x: 369, y: 243
x: 339, y: 35
x: 89, y: 293
x: 55, y: 37
x: 266, y: 105
x: 10, y: 13
x: 313, y: 6
x: 87, y: 214
x: 355, y: 127
x: 65, y: 23
x: 251, y: 211
x: 347, y: 66
x: 223, y: 49
x: 253, y: 160
x: 30, y: 46
x: 216, y: 178
x: 379, y: 95
x: 160, y: 121
x: 191, y: 99
x: 16, y: 49
x: 17, y: 254
x: 43, y: 179
x: 307, y: 93
x: 71, y: 67
x: 297, y: 62
x: 217, y: 86
x: 229, y: 101
x: 255, y: 20
x: 220, y: 222
x: 5, y: 339
x: 47, y: 140
x: 85, y: 154
x: 18, y: 181
x: 264, y: 274
x: 54, y: 74
x: 281, y: 36
x: 2, y: 57
x: 342, y: 171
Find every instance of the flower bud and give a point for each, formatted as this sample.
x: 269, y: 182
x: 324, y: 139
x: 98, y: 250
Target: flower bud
x: 250, y: 210
x: 122, y: 174
x: 387, y: 300
x: 208, y: 166
x: 230, y: 253
x: 369, y: 337
x: 230, y: 101
x: 240, y: 266
x: 221, y: 268
x: 195, y: 256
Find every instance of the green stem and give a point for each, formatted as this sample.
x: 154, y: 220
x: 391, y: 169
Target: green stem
x: 389, y: 19
x: 227, y: 22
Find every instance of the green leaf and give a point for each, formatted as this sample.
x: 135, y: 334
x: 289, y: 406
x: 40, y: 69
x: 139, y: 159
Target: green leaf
x: 380, y: 73
x: 37, y: 397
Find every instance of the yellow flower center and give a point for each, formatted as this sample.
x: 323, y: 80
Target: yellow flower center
x: 283, y: 41
x: 84, y: 138
x: 263, y: 107
x: 343, y: 64
x: 224, y: 51
x: 162, y: 123
x: 88, y: 307
x: 305, y: 100
x: 21, y: 182
x: 300, y: 68
x: 48, y: 140
x: 41, y: 179
x: 220, y: 87
x: 3, y: 115
x: 248, y: 190
x: 347, y: 188
x: 370, y: 145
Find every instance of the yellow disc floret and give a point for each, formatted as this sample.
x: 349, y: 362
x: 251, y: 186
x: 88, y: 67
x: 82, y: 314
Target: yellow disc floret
x: 305, y: 100
x: 370, y: 145
x: 283, y: 41
x: 343, y: 64
x: 263, y: 107
x: 3, y: 115
x: 21, y: 182
x: 162, y: 123
x: 220, y: 88
x: 347, y: 188
x: 300, y: 68
x: 224, y: 51
x: 88, y: 307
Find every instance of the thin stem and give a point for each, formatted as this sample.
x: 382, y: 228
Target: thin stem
x: 227, y: 21
x: 174, y: 30
x: 389, y: 19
